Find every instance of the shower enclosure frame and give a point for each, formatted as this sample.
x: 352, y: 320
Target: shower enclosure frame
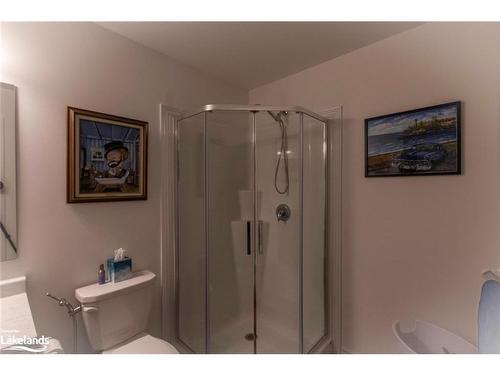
x: 170, y: 275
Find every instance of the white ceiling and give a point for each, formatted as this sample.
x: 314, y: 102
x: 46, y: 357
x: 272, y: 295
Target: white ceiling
x: 250, y: 54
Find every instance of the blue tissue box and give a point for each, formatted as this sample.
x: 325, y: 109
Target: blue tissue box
x: 119, y: 270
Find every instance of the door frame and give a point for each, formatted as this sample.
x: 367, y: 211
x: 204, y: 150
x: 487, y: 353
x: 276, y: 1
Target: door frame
x: 168, y: 215
x: 334, y: 238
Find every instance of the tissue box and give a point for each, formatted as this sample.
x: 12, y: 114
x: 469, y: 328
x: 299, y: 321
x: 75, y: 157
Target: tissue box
x: 119, y: 270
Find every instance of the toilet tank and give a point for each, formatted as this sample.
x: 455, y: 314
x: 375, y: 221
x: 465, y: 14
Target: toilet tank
x: 114, y: 312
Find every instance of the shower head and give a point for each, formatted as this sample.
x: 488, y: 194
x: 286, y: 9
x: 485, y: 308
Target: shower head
x: 277, y: 117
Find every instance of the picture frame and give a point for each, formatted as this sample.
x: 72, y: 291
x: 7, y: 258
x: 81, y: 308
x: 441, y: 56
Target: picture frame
x: 419, y: 142
x: 106, y: 157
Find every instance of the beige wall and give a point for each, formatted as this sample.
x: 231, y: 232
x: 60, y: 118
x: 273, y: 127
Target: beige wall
x: 412, y: 247
x: 83, y: 65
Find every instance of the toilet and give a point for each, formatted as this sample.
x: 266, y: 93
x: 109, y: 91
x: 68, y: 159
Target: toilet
x: 115, y: 316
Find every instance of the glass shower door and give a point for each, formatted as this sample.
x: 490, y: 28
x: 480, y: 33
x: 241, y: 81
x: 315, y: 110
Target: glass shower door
x: 230, y: 214
x: 278, y: 262
x: 191, y: 250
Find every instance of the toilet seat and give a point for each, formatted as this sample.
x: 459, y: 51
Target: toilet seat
x: 143, y: 344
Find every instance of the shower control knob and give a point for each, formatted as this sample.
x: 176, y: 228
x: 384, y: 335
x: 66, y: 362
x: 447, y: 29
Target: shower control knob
x: 283, y: 212
x: 250, y: 337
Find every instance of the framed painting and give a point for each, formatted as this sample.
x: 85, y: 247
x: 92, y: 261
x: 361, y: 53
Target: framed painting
x: 420, y: 142
x: 107, y: 157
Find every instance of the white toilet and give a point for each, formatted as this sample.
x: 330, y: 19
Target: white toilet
x: 116, y: 315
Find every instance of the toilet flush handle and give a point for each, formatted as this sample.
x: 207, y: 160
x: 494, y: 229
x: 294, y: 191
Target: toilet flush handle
x: 90, y: 308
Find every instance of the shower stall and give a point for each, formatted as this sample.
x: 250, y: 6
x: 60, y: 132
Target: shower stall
x: 251, y: 252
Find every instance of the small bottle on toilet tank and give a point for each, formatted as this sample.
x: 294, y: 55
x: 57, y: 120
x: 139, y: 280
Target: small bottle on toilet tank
x: 101, y: 275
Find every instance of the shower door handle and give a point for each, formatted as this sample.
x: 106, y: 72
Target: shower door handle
x: 260, y: 235
x: 249, y: 238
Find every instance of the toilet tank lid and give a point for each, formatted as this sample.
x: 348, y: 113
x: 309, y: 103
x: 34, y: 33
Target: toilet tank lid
x: 96, y: 292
